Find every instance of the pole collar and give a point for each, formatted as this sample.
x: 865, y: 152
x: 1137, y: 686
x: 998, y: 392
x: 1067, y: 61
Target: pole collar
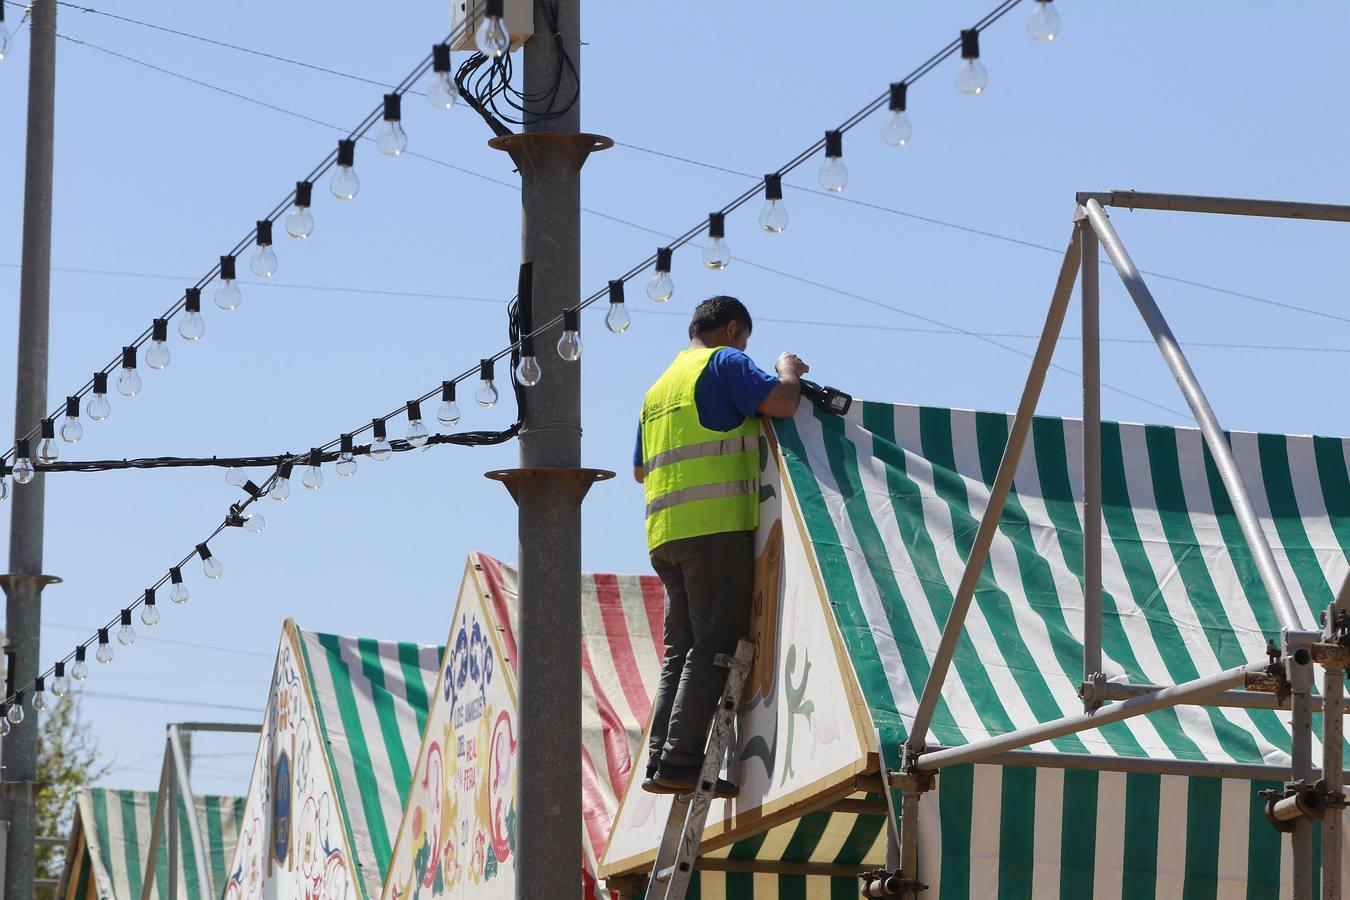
x: 526, y: 148
x: 577, y: 481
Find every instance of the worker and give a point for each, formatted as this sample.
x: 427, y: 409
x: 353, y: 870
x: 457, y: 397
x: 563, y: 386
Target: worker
x: 698, y: 459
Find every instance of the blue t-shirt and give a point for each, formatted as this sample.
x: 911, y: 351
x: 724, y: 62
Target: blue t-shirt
x: 729, y: 391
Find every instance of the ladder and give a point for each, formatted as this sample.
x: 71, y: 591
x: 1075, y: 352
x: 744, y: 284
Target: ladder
x: 674, y: 866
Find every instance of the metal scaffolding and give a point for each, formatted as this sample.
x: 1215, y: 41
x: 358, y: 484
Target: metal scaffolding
x: 1285, y: 681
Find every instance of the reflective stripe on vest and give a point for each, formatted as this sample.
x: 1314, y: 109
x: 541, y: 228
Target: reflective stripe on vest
x: 697, y: 481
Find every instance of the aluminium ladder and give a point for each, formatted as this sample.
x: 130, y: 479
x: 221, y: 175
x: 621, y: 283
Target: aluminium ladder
x: 674, y: 866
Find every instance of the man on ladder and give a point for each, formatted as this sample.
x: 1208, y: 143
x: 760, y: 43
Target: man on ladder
x: 698, y: 458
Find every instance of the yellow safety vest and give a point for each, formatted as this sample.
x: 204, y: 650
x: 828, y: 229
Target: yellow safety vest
x: 697, y: 481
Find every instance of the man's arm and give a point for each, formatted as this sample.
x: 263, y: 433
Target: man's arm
x: 782, y: 400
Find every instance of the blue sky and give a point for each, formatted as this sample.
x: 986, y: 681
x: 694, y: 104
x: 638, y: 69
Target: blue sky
x: 406, y: 285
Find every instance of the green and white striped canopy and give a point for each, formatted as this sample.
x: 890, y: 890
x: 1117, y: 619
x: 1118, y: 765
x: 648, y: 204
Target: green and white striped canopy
x: 371, y: 699
x: 891, y: 497
x: 110, y: 838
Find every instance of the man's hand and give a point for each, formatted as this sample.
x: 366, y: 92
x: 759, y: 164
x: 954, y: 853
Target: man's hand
x: 783, y: 399
x: 790, y: 365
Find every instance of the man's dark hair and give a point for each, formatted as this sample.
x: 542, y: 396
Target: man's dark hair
x: 716, y: 312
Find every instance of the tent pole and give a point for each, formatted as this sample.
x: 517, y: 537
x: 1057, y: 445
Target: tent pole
x: 1204, y: 416
x: 156, y: 827
x: 1176, y: 695
x: 184, y: 788
x: 172, y: 802
x: 909, y: 837
x: 1142, y: 765
x: 998, y: 495
x: 1092, y: 462
x: 1333, y: 692
x: 1300, y: 675
x: 1234, y: 699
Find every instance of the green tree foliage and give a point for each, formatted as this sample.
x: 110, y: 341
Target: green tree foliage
x: 68, y: 759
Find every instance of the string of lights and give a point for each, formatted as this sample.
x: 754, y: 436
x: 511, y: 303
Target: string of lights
x: 299, y: 224
x: 525, y: 371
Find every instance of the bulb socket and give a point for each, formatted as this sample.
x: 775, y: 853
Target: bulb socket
x: 345, y: 442
x: 252, y: 489
x: 304, y: 193
x: 440, y: 58
x: 176, y: 575
x: 100, y: 382
x: 22, y: 449
x: 447, y: 392
x: 393, y: 107
x: 717, y: 225
x: 525, y: 296
x: 126, y: 617
x: 616, y: 291
x: 159, y: 330
x: 149, y: 596
x: 899, y: 90
x: 663, y: 255
x: 572, y: 319
x: 192, y: 300
x: 970, y: 43
x: 316, y: 457
x: 73, y: 407
x: 128, y: 357
x: 264, y: 233
x: 203, y: 551
x: 79, y: 651
x: 346, y: 153
x: 485, y: 369
x: 227, y: 268
x: 39, y: 684
x: 18, y: 698
x: 48, y: 429
x: 527, y: 346
x: 834, y: 144
x: 377, y: 428
x: 233, y: 519
x: 285, y: 470
x: 773, y: 186
x: 494, y: 8
x: 60, y: 669
x: 414, y: 408
x: 103, y: 635
x: 2, y: 12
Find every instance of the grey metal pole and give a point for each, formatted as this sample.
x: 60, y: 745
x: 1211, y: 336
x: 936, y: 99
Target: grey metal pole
x: 24, y: 590
x: 1228, y: 206
x: 1092, y: 460
x: 998, y: 495
x: 1204, y: 416
x: 183, y: 785
x: 1176, y: 695
x: 1300, y: 752
x: 174, y: 849
x: 1233, y: 699
x: 1333, y: 733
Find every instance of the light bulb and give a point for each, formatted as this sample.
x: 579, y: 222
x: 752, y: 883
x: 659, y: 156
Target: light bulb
x: 4, y: 485
x: 157, y: 355
x: 60, y: 683
x: 236, y: 476
x: 896, y: 129
x: 126, y: 635
x: 227, y: 295
x: 39, y: 700
x: 23, y: 464
x: 313, y: 478
x: 128, y: 382
x: 105, y: 651
x: 833, y: 173
x: 448, y: 413
x: 380, y: 450
x: 417, y: 434
x: 192, y: 326
x: 491, y: 38
x: 569, y: 345
x: 264, y: 261
x: 179, y: 593
x: 1043, y: 24
x: 281, y: 488
x: 346, y: 461
x: 149, y: 615
x: 486, y: 396
x: 254, y: 523
x: 528, y: 372
x: 716, y: 254
x: 15, y: 714
x: 392, y: 139
x: 344, y: 184
x: 72, y: 430
x: 773, y: 218
x: 212, y: 568
x: 5, y: 727
x: 49, y: 451
x: 4, y: 39
x: 99, y: 408
x: 299, y: 221
x: 617, y: 319
x: 971, y: 76
x: 442, y: 93
x: 80, y: 670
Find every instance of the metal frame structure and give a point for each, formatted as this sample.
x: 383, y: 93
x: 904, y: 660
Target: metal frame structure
x: 1285, y: 682
x: 173, y: 782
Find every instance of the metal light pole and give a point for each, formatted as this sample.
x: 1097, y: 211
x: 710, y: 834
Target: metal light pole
x: 549, y: 485
x: 25, y: 581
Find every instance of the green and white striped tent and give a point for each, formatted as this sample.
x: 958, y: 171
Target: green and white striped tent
x: 342, y: 728
x: 886, y: 503
x: 110, y: 840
